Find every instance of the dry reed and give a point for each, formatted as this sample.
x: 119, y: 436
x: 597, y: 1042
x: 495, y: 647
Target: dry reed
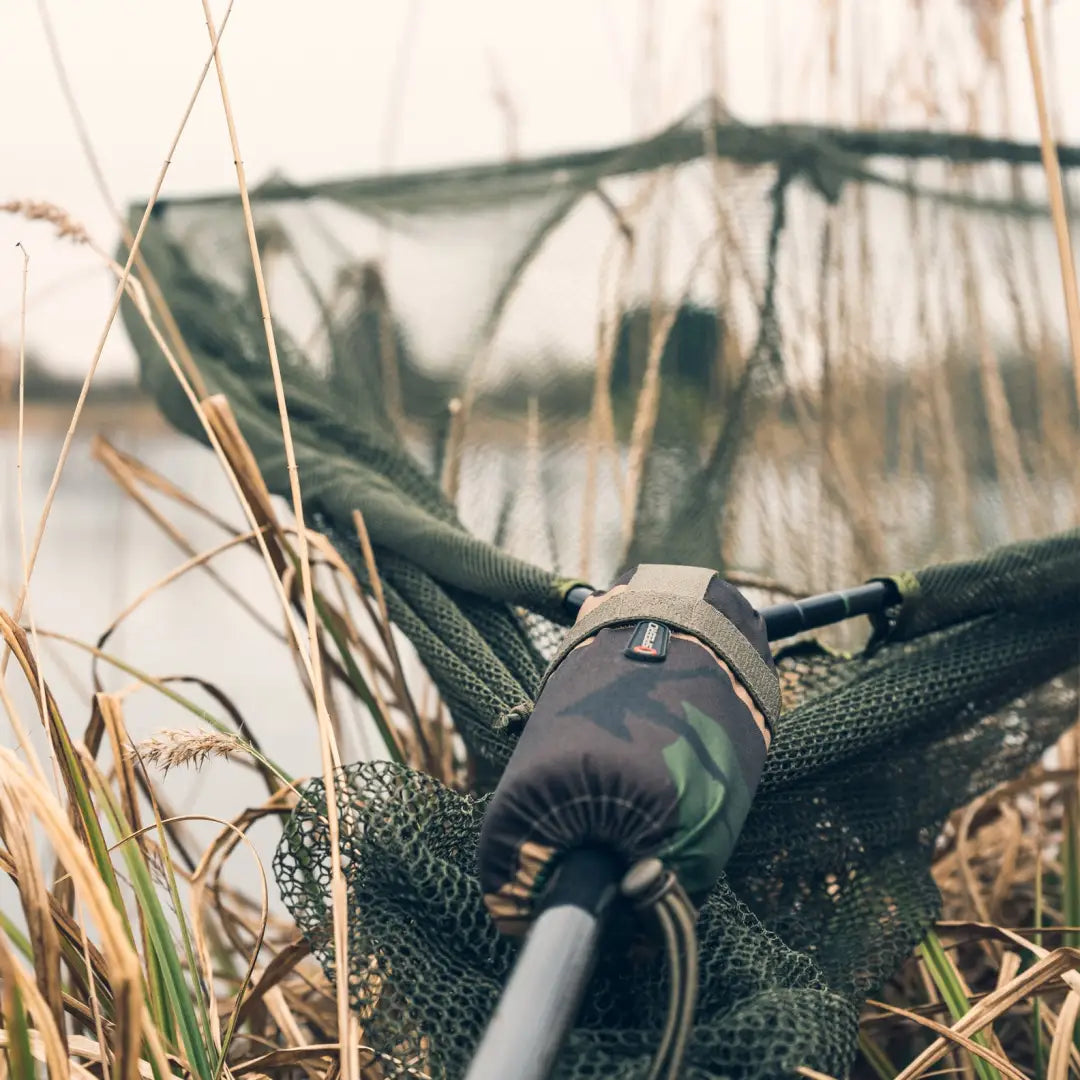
x: 331, y: 760
x: 121, y: 288
x: 1056, y: 192
x: 171, y: 748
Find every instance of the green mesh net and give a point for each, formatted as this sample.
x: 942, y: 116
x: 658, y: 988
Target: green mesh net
x: 775, y: 366
x: 829, y: 890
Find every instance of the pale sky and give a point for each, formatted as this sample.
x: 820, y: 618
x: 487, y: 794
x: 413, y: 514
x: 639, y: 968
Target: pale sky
x: 329, y: 89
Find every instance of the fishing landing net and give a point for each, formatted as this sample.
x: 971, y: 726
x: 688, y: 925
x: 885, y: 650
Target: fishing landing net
x: 394, y: 295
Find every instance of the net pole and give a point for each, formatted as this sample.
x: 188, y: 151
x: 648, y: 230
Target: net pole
x: 784, y: 620
x: 798, y: 616
x: 542, y: 998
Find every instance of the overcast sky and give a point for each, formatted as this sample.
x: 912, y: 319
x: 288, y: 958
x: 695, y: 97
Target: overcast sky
x: 325, y: 89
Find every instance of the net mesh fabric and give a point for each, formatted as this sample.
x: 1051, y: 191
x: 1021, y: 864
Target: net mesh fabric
x: 770, y: 255
x: 828, y: 892
x: 483, y: 297
x: 829, y: 889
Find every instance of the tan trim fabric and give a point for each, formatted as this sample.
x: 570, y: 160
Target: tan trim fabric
x: 695, y: 617
x: 688, y: 581
x: 511, y: 907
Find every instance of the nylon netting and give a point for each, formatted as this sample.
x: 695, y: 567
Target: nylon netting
x: 795, y: 353
x: 829, y: 890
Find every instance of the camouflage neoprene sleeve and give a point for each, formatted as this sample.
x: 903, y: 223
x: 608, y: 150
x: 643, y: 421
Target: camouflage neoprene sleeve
x: 643, y: 740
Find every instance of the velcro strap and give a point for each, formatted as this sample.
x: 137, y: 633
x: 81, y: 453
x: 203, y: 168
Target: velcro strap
x: 696, y: 617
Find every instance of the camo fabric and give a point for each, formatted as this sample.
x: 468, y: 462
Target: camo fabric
x: 643, y: 751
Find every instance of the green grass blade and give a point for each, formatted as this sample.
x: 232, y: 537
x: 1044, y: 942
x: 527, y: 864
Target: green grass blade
x: 180, y: 996
x: 75, y: 778
x: 1071, y: 867
x: 75, y: 960
x: 72, y: 957
x: 1039, y: 1051
x: 953, y: 994
x: 1070, y: 886
x: 158, y: 993
x: 19, y: 1055
x: 189, y: 948
x: 876, y: 1057
x: 16, y: 937
x: 356, y: 680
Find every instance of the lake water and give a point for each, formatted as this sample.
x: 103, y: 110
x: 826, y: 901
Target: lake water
x: 99, y: 553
